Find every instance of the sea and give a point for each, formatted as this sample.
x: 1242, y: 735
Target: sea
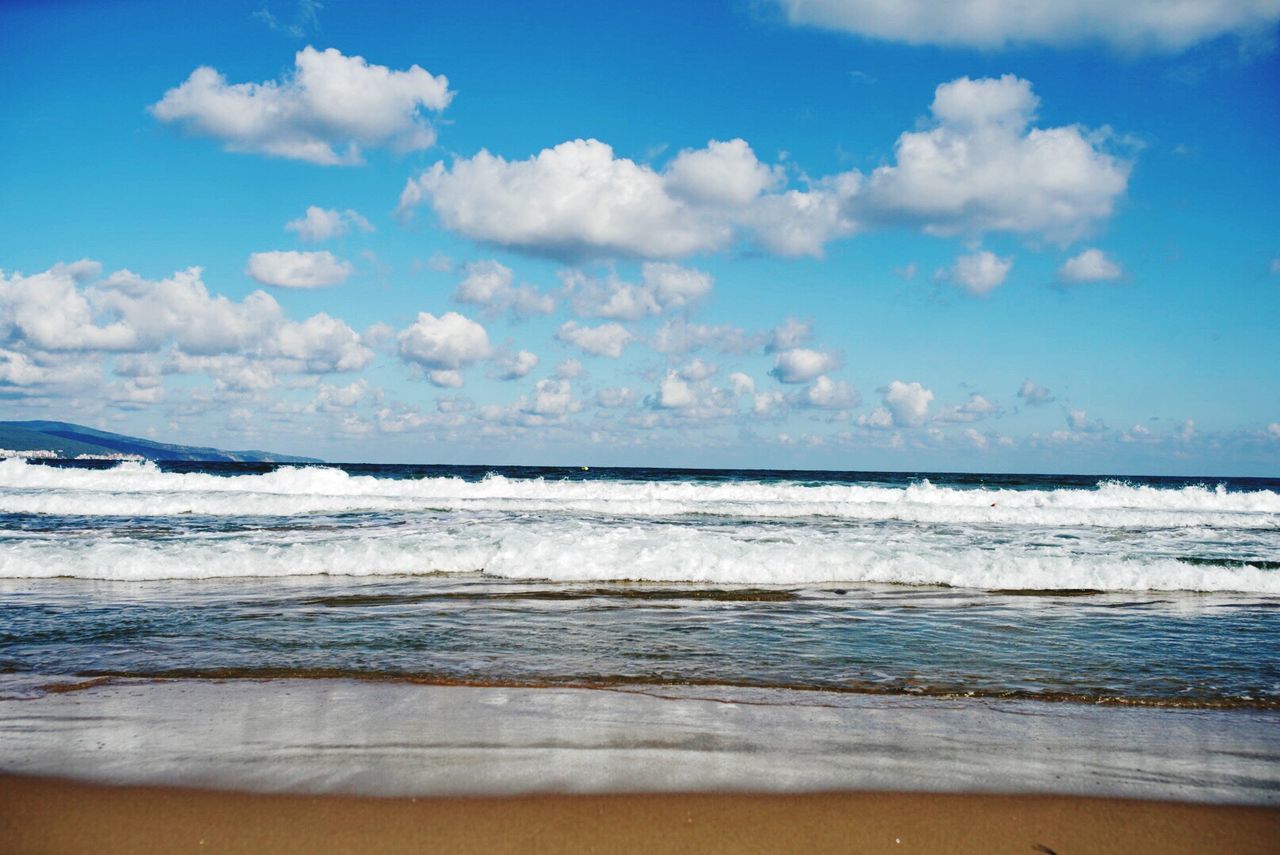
x: 836, y: 589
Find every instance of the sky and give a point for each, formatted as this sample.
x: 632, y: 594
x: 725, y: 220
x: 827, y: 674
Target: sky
x: 833, y: 234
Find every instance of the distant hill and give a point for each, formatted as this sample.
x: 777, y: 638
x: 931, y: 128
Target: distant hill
x: 69, y: 440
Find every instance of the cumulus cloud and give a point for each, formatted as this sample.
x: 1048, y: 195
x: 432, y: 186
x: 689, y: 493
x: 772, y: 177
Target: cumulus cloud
x: 329, y: 108
x: 972, y: 410
x: 767, y: 403
x: 983, y: 168
x: 570, y: 369
x: 492, y: 285
x: 330, y: 398
x: 1135, y: 25
x: 51, y: 312
x: 907, y: 403
x: 579, y: 200
x: 53, y: 323
x: 828, y: 394
x: 976, y: 439
x: 550, y: 398
x: 788, y: 334
x: 575, y: 199
x: 724, y: 173
x: 517, y: 365
x: 677, y: 335
x: 981, y: 272
x: 698, y: 370
x: 742, y: 384
x: 616, y: 397
x: 318, y: 345
x: 292, y: 269
x: 801, y: 364
x: 319, y: 224
x: 877, y: 419
x: 603, y: 340
x: 663, y: 287
x: 1034, y: 393
x: 443, y: 345
x: 1078, y: 421
x: 1090, y: 265
x: 674, y: 393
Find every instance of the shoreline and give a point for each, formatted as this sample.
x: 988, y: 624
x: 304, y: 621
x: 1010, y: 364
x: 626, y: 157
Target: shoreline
x: 361, y: 738
x: 41, y: 814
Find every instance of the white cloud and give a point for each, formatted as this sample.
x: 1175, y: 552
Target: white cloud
x: 1275, y: 266
x: 766, y: 403
x: 788, y: 334
x: 550, y: 398
x: 320, y: 224
x: 1273, y: 430
x: 674, y: 393
x: 491, y: 285
x: 50, y: 311
x: 570, y: 369
x: 1078, y: 421
x: 1090, y: 265
x: 330, y: 398
x: 445, y: 378
x: 330, y: 107
x: 674, y: 286
x: 982, y: 168
x: 698, y: 370
x: 976, y: 439
x: 517, y: 365
x: 907, y: 403
x: 676, y: 335
x: 443, y: 345
x: 981, y: 272
x: 723, y: 173
x: 577, y: 200
x: 318, y: 345
x: 603, y: 340
x: 609, y: 297
x: 825, y: 393
x: 972, y: 410
x: 800, y: 365
x: 24, y: 373
x: 742, y: 384
x: 1034, y: 394
x: 69, y: 309
x: 1134, y: 25
x: 879, y: 419
x: 616, y: 397
x: 292, y: 269
x: 573, y: 200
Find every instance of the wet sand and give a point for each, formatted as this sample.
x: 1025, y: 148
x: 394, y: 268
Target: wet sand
x: 40, y: 815
x: 370, y: 738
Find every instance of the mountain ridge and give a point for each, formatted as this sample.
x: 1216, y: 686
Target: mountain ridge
x: 69, y: 440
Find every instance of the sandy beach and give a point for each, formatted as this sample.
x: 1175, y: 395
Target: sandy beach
x: 49, y: 815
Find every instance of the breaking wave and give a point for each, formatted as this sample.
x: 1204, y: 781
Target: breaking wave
x: 142, y: 489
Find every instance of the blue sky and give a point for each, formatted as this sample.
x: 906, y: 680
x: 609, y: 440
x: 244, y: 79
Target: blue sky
x: 772, y: 234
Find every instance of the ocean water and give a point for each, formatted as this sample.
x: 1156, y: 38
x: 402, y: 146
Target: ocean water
x: 1126, y: 591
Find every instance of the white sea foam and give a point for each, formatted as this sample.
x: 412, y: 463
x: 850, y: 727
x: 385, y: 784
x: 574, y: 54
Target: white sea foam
x: 1114, y: 537
x: 571, y: 550
x: 142, y: 490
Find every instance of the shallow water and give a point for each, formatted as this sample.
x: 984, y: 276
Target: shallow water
x: 1140, y: 591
